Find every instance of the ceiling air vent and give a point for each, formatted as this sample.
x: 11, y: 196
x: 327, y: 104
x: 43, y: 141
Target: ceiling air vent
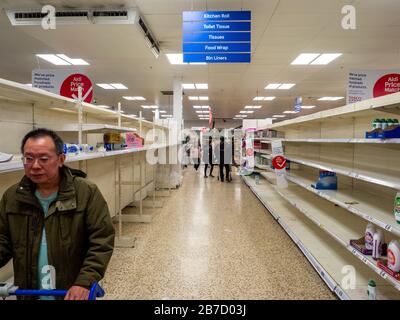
x: 74, y: 16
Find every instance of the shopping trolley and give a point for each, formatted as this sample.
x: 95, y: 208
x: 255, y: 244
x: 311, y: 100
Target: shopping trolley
x: 8, y: 289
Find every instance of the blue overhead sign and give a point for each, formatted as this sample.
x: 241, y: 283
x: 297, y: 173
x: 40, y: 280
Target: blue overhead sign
x: 216, y: 36
x: 217, y: 57
x: 216, y: 47
x: 216, y: 15
x: 215, y: 26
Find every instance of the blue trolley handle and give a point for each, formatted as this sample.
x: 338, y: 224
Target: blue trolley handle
x: 95, y: 292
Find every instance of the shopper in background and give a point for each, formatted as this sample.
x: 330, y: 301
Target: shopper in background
x: 208, y: 157
x: 225, y: 159
x: 54, y: 223
x: 195, y: 154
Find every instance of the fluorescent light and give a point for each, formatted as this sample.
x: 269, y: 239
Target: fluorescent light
x: 286, y: 86
x: 75, y: 62
x: 166, y: 115
x: 160, y: 111
x: 134, y: 98
x: 188, y: 86
x: 326, y: 58
x: 154, y: 51
x: 52, y: 58
x: 175, y: 58
x: 196, y: 107
x: 269, y: 98
x: 198, y: 63
x: 118, y: 86
x: 201, y: 86
x: 273, y: 86
x: 103, y: 106
x: 105, y: 86
x: 253, y: 107
x: 307, y: 107
x: 258, y: 98
x: 330, y: 98
x: 290, y: 112
x: 279, y: 116
x: 203, y: 98
x: 305, y: 58
x: 150, y: 107
x: 246, y: 111
x: 193, y: 98
x: 199, y: 111
x: 205, y: 107
x: 132, y: 115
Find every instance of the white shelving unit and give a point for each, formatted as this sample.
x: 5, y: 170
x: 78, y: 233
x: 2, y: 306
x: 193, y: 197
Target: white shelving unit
x: 383, y: 179
x: 120, y: 175
x: 87, y: 127
x: 322, y: 222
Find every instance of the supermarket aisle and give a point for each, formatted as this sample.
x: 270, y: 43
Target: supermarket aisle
x: 211, y: 240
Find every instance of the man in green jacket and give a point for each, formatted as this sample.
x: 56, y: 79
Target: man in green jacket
x: 54, y: 224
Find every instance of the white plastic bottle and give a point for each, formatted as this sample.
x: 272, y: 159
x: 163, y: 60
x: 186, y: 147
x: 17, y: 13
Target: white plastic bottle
x: 393, y: 254
x: 369, y: 236
x: 378, y: 241
x: 371, y: 291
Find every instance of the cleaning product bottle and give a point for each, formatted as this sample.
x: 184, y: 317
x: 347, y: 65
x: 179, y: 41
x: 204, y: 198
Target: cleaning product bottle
x: 393, y: 254
x: 369, y: 236
x: 377, y: 244
x: 384, y: 124
x: 396, y: 210
x: 371, y: 291
x: 376, y: 123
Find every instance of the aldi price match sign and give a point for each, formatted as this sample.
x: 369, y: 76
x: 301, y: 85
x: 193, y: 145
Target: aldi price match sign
x: 216, y: 36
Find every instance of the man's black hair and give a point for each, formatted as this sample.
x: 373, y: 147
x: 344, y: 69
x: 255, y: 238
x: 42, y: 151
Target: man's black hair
x: 42, y: 132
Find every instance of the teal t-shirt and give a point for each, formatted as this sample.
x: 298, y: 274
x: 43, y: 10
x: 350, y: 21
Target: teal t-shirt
x: 45, y: 278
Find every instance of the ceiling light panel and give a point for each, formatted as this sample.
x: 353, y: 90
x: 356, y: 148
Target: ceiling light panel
x: 286, y: 86
x: 305, y: 58
x: 118, y: 86
x: 105, y: 86
x: 326, y: 58
x: 188, y: 86
x: 201, y: 86
x: 75, y: 62
x: 52, y: 58
x: 273, y: 86
x: 193, y: 98
x: 203, y: 98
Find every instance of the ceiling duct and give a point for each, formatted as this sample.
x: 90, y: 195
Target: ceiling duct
x: 149, y: 38
x: 74, y: 16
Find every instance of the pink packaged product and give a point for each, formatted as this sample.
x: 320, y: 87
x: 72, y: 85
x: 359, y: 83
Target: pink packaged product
x: 133, y: 140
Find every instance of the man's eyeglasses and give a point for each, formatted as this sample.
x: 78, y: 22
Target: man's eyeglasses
x: 29, y: 160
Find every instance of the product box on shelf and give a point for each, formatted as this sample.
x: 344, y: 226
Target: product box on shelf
x: 327, y: 181
x: 110, y: 137
x: 359, y: 244
x: 133, y: 140
x: 382, y: 264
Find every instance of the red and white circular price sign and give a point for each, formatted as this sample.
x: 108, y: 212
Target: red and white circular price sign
x: 389, y: 83
x: 70, y: 85
x: 279, y: 162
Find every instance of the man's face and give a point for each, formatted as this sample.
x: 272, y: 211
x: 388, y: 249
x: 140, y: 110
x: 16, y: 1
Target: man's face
x: 41, y: 160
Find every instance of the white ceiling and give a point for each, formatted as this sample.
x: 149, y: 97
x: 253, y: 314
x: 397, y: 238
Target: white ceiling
x: 281, y: 29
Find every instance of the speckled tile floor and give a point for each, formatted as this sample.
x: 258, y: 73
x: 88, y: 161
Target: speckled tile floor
x: 211, y: 240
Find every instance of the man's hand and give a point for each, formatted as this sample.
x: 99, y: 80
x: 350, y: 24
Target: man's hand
x: 77, y: 293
